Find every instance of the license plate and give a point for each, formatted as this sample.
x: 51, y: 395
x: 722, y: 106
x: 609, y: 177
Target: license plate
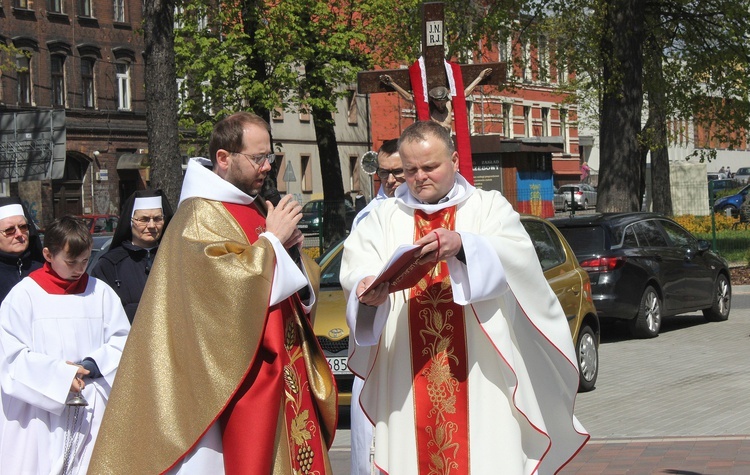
x: 338, y: 364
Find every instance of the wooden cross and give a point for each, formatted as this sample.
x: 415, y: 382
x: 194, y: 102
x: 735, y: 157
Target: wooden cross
x: 433, y: 51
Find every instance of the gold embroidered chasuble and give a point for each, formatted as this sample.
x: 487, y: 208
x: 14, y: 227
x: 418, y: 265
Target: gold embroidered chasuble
x: 199, y: 326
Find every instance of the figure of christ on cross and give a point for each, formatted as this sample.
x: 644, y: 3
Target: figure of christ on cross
x: 441, y: 107
x: 436, y: 87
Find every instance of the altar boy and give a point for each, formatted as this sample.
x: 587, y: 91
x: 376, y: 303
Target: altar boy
x: 61, y: 336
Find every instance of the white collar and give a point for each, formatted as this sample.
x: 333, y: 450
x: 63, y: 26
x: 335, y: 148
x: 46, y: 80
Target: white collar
x: 458, y: 194
x: 200, y: 181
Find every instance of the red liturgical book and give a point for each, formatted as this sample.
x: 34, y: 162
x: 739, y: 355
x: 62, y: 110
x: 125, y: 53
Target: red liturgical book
x: 402, y: 271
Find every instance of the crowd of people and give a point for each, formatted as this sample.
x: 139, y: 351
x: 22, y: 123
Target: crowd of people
x: 205, y: 317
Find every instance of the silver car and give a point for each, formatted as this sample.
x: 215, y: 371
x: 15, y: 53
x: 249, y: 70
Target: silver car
x: 742, y: 175
x: 580, y: 195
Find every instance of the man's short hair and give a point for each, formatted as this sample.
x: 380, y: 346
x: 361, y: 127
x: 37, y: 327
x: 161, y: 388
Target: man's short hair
x: 67, y: 231
x: 228, y: 132
x: 389, y: 147
x: 419, y: 131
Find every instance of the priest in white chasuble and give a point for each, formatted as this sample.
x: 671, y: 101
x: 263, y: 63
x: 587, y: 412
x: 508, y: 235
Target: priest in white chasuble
x: 222, y: 372
x: 472, y: 370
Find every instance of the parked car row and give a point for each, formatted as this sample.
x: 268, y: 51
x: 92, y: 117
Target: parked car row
x: 312, y: 216
x: 578, y: 196
x: 100, y: 223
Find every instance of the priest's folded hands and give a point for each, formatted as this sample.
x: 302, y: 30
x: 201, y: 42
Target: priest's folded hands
x: 439, y: 245
x: 282, y: 220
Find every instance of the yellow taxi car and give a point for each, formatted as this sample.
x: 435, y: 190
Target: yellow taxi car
x: 569, y: 282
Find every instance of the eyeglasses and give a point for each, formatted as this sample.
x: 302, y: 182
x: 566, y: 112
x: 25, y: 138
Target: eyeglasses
x: 11, y: 231
x: 148, y: 219
x: 259, y: 158
x: 397, y: 173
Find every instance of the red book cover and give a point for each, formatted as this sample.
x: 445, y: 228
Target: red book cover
x: 403, y: 271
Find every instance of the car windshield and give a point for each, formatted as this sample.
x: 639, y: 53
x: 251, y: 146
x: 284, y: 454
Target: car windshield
x: 584, y: 240
x: 311, y: 207
x: 329, y: 275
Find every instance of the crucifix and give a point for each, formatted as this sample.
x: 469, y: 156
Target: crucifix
x: 434, y: 86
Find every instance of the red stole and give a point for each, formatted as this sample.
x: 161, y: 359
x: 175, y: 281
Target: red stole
x: 56, y: 285
x: 439, y: 363
x: 275, y: 390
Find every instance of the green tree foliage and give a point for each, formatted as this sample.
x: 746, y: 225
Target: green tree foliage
x: 685, y: 59
x: 254, y: 55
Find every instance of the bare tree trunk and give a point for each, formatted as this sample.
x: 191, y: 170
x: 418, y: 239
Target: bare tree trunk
x: 334, y: 221
x: 660, y: 183
x: 621, y: 50
x: 161, y: 98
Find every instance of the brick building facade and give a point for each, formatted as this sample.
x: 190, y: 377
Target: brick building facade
x: 524, y: 136
x: 73, y: 110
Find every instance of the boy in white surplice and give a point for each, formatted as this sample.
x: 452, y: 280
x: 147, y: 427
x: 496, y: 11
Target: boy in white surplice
x: 61, y: 336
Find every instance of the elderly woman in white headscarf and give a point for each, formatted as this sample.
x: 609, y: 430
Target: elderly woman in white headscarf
x: 125, y: 267
x: 20, y: 246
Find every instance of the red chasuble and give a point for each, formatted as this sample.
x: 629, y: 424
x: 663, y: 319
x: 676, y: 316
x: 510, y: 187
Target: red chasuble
x: 439, y: 363
x: 276, y: 390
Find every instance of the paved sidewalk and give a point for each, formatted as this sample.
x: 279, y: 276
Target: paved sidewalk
x: 680, y: 455
x: 693, y: 413
x: 678, y: 404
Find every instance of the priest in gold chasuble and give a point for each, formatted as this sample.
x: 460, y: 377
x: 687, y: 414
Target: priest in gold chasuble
x: 472, y: 370
x: 223, y: 373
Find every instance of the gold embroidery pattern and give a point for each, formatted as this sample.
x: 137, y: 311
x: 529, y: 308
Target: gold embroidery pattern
x: 442, y: 384
x: 302, y: 429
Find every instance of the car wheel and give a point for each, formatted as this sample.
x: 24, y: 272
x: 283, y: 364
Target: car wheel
x: 566, y: 208
x: 648, y: 321
x: 722, y: 300
x: 588, y: 359
x: 586, y: 204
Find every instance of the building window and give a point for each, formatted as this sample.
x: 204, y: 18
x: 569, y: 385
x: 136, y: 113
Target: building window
x: 280, y: 183
x: 87, y: 82
x: 352, y: 113
x: 545, y: 122
x: 505, y: 49
x: 526, y: 60
x: 182, y: 95
x: 564, y: 130
x: 23, y: 67
x: 527, y: 121
x: 57, y: 72
x: 562, y: 70
x: 84, y: 8
x: 55, y: 6
x: 543, y: 53
x: 119, y: 11
x: 304, y: 114
x: 277, y: 114
x: 123, y: 86
x: 508, y: 121
x: 21, y: 4
x: 307, y: 181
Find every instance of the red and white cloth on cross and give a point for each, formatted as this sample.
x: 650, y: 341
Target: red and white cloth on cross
x: 418, y: 76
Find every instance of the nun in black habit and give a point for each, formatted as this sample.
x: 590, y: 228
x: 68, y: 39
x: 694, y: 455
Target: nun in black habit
x: 20, y: 244
x: 127, y: 263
